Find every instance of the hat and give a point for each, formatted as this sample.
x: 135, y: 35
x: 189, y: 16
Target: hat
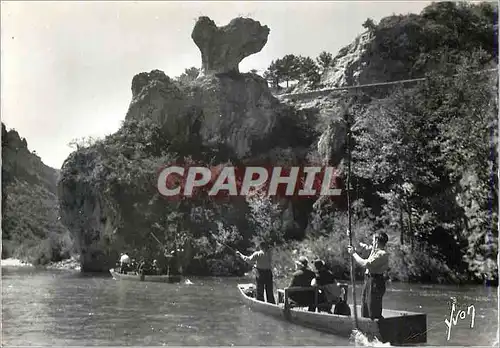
x: 302, y: 261
x: 382, y: 238
x: 319, y: 263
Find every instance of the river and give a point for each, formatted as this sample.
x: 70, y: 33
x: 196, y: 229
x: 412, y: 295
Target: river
x: 64, y: 308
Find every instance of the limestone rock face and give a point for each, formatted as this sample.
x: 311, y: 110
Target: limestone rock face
x: 222, y: 109
x: 156, y: 97
x: 331, y: 143
x: 349, y: 64
x: 330, y: 125
x: 234, y: 109
x: 223, y: 48
x: 83, y: 211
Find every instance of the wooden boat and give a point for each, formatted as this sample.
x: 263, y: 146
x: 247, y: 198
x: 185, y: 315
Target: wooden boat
x: 397, y: 327
x: 146, y: 278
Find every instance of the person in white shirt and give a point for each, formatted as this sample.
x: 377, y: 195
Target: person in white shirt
x: 264, y: 277
x: 376, y: 265
x: 124, y: 263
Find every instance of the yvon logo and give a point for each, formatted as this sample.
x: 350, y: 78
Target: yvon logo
x: 176, y: 180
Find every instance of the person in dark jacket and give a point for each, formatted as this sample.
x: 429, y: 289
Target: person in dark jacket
x: 329, y: 290
x: 303, y: 277
x: 323, y: 274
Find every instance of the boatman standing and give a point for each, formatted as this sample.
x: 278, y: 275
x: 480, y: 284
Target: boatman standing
x: 124, y: 263
x: 264, y: 277
x: 376, y: 265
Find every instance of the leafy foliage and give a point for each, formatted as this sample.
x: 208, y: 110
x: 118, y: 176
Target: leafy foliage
x: 309, y: 71
x: 292, y: 68
x: 188, y: 75
x: 265, y: 219
x: 324, y: 60
x: 431, y: 171
x: 369, y: 24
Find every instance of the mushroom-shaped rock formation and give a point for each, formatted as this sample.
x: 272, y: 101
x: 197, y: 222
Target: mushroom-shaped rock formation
x: 226, y: 113
x: 223, y: 48
x: 222, y: 107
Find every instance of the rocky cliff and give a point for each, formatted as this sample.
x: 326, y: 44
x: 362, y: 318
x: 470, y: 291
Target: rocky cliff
x: 223, y: 112
x: 400, y: 47
x: 402, y: 178
x: 31, y: 230
x: 223, y: 48
x: 395, y: 124
x: 228, y: 109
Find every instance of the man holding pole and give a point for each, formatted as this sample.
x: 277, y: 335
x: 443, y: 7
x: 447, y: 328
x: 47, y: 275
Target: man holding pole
x: 264, y: 278
x: 376, y: 265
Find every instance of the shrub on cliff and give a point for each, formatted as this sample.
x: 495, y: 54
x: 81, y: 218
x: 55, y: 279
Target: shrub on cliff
x: 121, y: 172
x: 410, y: 45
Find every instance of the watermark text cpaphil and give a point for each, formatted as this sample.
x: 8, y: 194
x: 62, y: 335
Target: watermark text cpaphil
x: 223, y: 181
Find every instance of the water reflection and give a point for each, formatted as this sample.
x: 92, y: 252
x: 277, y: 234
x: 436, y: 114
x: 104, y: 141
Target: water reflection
x: 62, y: 308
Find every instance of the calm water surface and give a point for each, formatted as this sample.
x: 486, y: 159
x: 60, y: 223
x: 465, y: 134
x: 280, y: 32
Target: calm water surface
x: 62, y: 308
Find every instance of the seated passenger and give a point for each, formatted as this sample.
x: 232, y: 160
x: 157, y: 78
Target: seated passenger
x: 329, y: 293
x: 342, y: 308
x: 303, y: 277
x: 155, y: 268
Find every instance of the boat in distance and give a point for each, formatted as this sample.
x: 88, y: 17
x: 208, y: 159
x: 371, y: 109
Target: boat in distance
x: 396, y: 327
x: 134, y: 276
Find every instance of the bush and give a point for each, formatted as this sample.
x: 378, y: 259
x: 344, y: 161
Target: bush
x: 224, y: 266
x: 419, y: 266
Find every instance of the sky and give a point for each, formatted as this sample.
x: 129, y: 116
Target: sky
x: 67, y: 67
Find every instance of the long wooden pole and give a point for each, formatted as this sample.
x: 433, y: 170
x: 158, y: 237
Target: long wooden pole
x: 157, y: 239
x: 223, y: 244
x: 353, y: 284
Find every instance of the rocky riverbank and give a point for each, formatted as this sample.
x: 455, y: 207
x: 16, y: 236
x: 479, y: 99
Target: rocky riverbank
x: 72, y: 263
x: 11, y: 262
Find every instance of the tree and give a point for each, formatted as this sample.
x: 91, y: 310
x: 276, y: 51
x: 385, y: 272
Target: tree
x: 189, y: 75
x: 309, y: 71
x: 369, y: 24
x: 265, y: 218
x: 325, y: 60
x: 272, y: 75
x: 288, y: 68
